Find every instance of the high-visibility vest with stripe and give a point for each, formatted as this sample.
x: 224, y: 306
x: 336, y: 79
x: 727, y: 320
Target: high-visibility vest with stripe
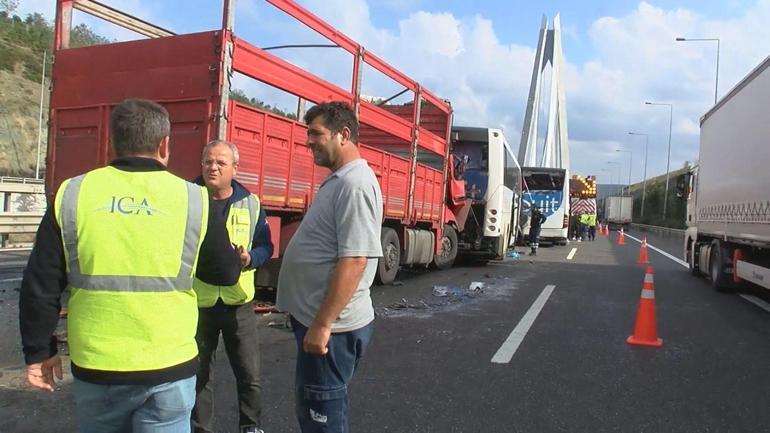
x: 131, y: 243
x: 241, y: 223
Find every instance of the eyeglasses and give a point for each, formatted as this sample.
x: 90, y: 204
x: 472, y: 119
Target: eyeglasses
x: 211, y: 163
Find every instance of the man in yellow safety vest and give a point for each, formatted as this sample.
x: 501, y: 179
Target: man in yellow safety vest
x: 227, y: 310
x: 126, y: 240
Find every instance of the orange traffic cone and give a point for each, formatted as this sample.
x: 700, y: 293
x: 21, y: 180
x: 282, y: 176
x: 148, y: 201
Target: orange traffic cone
x: 606, y: 230
x: 643, y: 253
x: 621, y: 237
x: 646, y: 328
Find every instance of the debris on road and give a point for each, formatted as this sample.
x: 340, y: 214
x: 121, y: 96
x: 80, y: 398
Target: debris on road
x: 440, y: 291
x: 476, y: 286
x: 449, y: 295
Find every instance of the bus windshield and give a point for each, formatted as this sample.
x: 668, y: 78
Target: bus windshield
x: 472, y: 166
x: 544, y: 181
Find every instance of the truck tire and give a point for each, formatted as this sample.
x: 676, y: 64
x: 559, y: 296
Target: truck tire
x: 449, y: 246
x: 720, y: 280
x: 692, y: 258
x: 388, y: 264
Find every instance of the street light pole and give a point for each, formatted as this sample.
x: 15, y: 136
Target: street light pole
x: 716, y: 85
x: 630, y: 162
x: 668, y: 159
x: 621, y: 193
x: 618, y: 190
x: 644, y: 184
x: 607, y: 170
x: 40, y: 118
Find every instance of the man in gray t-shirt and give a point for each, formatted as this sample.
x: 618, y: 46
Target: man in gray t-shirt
x: 327, y: 269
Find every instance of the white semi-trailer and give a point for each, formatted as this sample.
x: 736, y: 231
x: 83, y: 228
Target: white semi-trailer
x: 728, y: 193
x: 618, y: 210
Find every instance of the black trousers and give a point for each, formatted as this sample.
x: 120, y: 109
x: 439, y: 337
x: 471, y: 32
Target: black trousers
x: 238, y: 327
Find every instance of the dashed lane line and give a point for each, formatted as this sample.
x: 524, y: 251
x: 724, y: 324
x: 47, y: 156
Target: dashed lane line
x: 511, y: 344
x: 571, y: 254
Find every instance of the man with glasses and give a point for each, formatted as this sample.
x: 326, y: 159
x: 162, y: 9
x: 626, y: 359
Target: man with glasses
x: 227, y: 309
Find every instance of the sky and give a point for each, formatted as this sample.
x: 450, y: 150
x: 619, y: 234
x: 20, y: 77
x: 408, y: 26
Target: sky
x: 480, y: 54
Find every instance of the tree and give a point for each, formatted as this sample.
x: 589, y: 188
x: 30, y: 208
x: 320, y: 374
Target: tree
x: 26, y: 202
x: 9, y: 6
x: 83, y: 36
x: 241, y: 96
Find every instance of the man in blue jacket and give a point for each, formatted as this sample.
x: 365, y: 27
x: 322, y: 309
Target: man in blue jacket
x: 228, y: 309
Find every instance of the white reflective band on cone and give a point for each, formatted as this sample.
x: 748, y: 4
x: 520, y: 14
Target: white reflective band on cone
x: 648, y: 278
x: 648, y: 294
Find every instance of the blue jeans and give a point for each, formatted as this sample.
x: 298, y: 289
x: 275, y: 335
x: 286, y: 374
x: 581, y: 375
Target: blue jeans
x: 163, y: 408
x: 321, y: 386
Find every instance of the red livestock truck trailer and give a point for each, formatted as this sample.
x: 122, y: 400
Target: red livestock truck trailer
x: 407, y: 145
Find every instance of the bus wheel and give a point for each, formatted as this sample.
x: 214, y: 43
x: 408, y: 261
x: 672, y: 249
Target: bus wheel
x: 448, y: 254
x: 388, y: 264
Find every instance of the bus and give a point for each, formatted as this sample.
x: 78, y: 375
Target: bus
x: 549, y: 189
x: 492, y: 176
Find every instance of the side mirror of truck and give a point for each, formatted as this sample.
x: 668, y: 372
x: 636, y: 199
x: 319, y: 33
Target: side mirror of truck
x: 683, y: 185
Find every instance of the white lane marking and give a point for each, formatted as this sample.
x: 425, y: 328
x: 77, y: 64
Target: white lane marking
x: 756, y: 301
x: 13, y: 264
x: 10, y: 283
x: 571, y: 254
x: 511, y: 344
x: 676, y: 259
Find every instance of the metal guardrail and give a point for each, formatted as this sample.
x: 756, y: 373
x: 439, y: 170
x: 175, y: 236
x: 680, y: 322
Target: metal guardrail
x: 22, y: 180
x: 23, y: 185
x: 13, y: 221
x: 18, y: 222
x: 664, y: 231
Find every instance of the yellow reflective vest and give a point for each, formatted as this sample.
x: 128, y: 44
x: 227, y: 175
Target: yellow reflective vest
x: 131, y: 244
x: 241, y: 223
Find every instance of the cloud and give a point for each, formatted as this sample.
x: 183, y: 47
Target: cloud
x: 634, y: 59
x: 439, y: 33
x: 631, y: 58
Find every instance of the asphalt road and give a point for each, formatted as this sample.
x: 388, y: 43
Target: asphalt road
x: 12, y: 264
x: 429, y: 366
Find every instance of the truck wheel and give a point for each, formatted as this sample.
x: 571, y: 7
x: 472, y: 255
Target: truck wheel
x: 691, y: 258
x: 388, y: 264
x: 448, y: 254
x: 719, y: 279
